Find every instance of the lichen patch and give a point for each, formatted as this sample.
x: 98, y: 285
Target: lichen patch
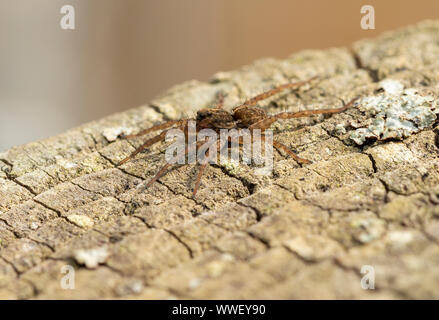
x: 396, y: 113
x: 111, y: 134
x: 91, y: 258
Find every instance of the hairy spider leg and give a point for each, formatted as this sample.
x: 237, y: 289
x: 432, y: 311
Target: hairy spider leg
x: 160, y: 126
x: 279, y: 146
x: 269, y: 93
x: 151, y: 141
x: 203, y: 166
x: 200, y: 173
x: 167, y: 165
x: 267, y: 122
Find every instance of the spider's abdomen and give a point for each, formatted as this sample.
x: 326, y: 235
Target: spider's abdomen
x: 214, y: 119
x: 246, y: 116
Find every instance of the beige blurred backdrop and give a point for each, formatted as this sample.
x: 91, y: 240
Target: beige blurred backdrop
x: 124, y: 52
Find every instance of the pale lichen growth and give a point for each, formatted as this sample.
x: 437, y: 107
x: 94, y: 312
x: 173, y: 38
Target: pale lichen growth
x: 396, y: 113
x: 66, y: 163
x: 91, y: 258
x: 340, y: 128
x: 111, y: 134
x: 232, y: 167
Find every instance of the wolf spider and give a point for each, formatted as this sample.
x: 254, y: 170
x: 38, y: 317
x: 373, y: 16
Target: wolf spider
x: 246, y: 115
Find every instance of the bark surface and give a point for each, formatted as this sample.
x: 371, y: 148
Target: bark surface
x: 370, y: 197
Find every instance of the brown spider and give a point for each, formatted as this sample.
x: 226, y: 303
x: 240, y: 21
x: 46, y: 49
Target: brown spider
x: 245, y: 115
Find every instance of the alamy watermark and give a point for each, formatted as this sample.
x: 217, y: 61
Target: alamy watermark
x: 368, y: 19
x: 368, y: 280
x: 67, y: 21
x: 68, y: 281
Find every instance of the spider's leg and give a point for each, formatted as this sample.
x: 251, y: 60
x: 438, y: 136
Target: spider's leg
x: 204, y: 164
x: 267, y: 94
x: 160, y: 126
x: 165, y: 167
x: 267, y: 122
x: 306, y: 113
x: 158, y: 175
x: 150, y: 142
x: 279, y: 146
x: 200, y: 173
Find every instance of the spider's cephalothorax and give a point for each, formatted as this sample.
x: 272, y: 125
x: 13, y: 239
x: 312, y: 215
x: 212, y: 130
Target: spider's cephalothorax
x: 244, y: 116
x: 214, y: 118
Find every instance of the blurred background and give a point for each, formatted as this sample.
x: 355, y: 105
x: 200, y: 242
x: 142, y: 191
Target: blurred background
x: 124, y: 52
